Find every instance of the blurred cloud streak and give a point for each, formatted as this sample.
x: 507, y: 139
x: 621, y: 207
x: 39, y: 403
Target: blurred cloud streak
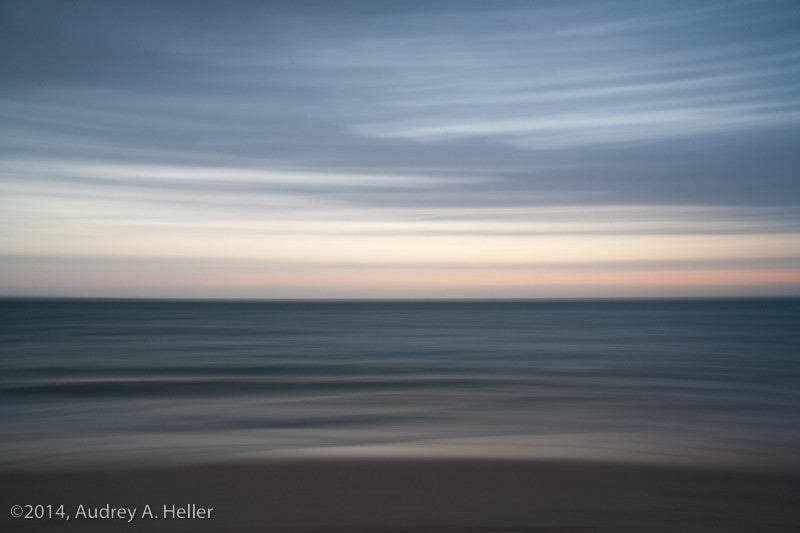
x: 301, y: 149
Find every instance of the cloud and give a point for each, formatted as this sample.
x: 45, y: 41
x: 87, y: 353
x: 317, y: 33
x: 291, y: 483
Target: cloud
x: 453, y: 87
x: 577, y: 129
x: 386, y: 141
x: 538, y: 87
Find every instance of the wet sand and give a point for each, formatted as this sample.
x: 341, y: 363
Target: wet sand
x: 404, y: 495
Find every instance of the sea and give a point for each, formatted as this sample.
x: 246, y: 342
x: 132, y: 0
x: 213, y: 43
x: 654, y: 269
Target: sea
x: 689, y: 380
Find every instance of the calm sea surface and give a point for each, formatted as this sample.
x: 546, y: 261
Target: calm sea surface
x: 687, y: 379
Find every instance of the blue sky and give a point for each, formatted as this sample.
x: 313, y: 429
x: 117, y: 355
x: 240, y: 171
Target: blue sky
x: 399, y: 149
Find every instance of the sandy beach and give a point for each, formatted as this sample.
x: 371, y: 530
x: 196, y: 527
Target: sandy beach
x: 399, y: 495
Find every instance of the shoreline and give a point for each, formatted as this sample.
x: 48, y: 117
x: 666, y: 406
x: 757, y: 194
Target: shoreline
x: 155, y: 450
x: 408, y: 494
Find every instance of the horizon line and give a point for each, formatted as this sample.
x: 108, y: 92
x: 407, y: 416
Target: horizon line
x: 193, y: 299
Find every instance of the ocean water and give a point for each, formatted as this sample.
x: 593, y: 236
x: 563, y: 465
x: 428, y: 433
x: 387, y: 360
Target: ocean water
x: 689, y: 380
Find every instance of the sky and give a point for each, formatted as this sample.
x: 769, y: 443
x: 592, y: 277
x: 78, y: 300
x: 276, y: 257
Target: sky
x: 390, y: 149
